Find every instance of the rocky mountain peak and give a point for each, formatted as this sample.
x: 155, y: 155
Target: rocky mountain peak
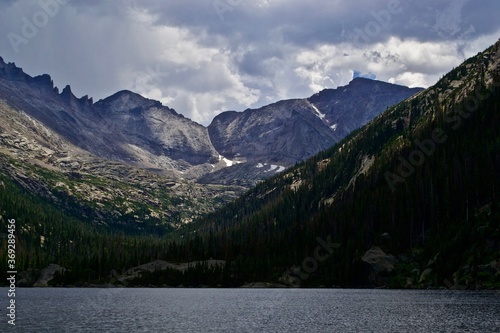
x: 83, y: 104
x: 44, y: 82
x: 346, y: 108
x: 285, y: 132
x: 11, y: 71
x: 360, y: 80
x: 67, y: 91
x: 131, y: 128
x: 124, y: 101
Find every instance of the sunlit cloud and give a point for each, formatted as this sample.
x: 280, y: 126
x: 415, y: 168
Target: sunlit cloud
x: 200, y: 61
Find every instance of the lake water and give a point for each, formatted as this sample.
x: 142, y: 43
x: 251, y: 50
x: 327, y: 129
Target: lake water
x: 251, y: 310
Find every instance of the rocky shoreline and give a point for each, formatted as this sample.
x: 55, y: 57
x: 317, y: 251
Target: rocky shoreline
x: 380, y: 270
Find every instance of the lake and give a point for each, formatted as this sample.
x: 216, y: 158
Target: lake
x: 251, y: 310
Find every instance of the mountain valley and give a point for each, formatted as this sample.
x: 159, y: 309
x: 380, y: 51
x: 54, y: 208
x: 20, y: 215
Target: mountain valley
x: 129, y: 160
x: 367, y: 185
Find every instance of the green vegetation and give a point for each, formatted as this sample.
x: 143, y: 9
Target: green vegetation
x: 420, y: 181
x: 447, y: 205
x: 46, y: 235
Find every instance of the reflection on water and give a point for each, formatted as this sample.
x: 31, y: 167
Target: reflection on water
x: 252, y: 310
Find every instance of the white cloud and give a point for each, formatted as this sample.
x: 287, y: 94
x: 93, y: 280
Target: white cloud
x: 401, y: 61
x: 183, y: 54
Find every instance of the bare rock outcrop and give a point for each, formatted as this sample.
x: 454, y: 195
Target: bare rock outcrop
x: 47, y: 274
x: 377, y: 266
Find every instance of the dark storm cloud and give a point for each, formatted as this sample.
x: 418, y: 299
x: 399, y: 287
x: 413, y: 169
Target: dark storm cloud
x: 202, y: 57
x: 320, y: 21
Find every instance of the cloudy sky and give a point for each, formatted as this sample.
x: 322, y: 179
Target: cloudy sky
x: 202, y: 57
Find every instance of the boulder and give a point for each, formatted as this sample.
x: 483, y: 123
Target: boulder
x: 160, y: 265
x: 47, y: 274
x: 493, y: 268
x: 425, y: 276
x: 290, y: 277
x: 378, y: 260
x: 28, y: 277
x: 377, y: 265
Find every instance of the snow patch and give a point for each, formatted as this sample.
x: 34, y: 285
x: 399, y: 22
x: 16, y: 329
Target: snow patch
x: 272, y: 167
x: 318, y: 113
x: 280, y: 169
x: 228, y: 161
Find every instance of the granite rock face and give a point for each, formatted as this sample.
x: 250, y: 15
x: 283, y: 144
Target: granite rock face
x: 290, y: 131
x: 115, y: 157
x: 124, y: 127
x: 280, y: 133
x: 377, y: 265
x: 155, y: 130
x: 47, y: 274
x: 129, y: 128
x: 350, y: 107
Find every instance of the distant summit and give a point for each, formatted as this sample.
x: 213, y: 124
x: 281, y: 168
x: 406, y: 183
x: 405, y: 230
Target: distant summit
x: 286, y: 132
x: 357, y: 74
x: 130, y: 128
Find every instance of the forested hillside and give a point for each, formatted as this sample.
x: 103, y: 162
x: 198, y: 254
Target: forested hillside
x: 420, y: 182
x: 409, y: 200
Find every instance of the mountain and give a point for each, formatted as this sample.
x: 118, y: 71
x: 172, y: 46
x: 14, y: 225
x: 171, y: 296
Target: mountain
x: 157, y: 135
x: 409, y: 200
x: 126, y: 161
x: 124, y: 127
x: 129, y: 128
x: 279, y: 135
x: 347, y: 108
x: 97, y: 190
x: 289, y: 131
x: 127, y: 158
